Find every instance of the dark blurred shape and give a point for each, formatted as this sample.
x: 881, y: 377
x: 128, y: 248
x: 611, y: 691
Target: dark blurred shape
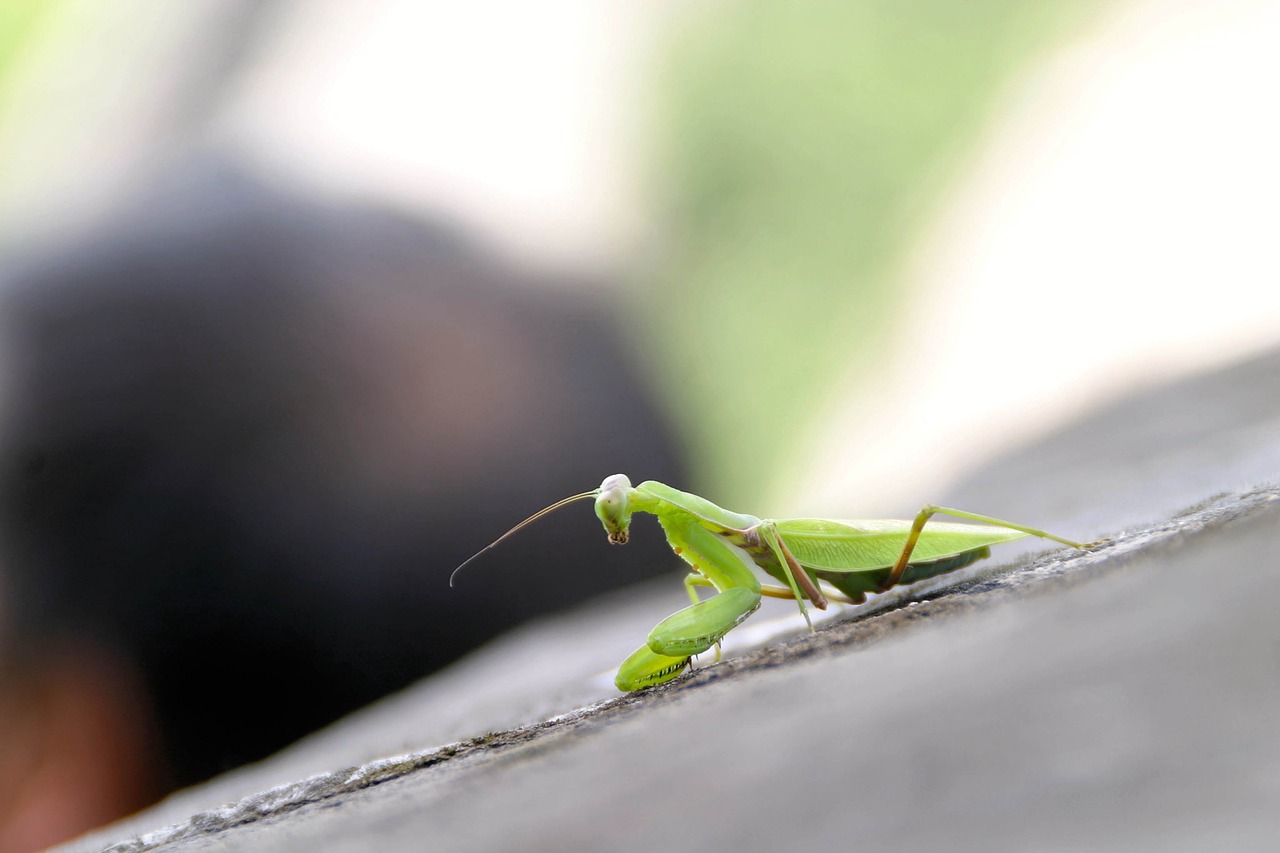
x: 246, y: 436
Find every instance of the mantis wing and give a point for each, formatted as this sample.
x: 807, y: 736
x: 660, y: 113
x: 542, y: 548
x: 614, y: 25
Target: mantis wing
x: 868, y: 544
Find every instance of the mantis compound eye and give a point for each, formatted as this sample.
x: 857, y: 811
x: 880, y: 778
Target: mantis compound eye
x: 612, y: 508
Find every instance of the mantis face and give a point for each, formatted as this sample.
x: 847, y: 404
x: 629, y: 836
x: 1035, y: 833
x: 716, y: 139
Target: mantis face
x: 612, y: 508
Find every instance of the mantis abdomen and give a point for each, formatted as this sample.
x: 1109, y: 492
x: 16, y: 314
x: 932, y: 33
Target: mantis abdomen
x: 856, y: 585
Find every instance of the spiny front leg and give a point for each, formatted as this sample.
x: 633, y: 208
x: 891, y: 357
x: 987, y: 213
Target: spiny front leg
x: 676, y: 639
x: 702, y: 625
x: 727, y: 568
x: 645, y: 668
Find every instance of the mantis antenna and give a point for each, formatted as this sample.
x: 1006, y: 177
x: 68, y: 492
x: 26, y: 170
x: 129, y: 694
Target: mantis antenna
x: 537, y: 515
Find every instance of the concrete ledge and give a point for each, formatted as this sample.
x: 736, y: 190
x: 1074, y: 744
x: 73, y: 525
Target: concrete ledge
x: 1117, y: 699
x: 409, y: 799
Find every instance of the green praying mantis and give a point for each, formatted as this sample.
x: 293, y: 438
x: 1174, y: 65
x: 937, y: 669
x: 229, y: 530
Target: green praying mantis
x: 847, y: 558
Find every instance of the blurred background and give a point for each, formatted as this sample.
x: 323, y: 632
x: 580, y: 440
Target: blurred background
x: 303, y: 303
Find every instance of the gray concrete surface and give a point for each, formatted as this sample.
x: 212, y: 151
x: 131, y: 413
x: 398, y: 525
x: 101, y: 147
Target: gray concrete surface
x: 1120, y: 699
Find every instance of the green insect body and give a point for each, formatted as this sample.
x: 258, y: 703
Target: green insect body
x: 724, y: 548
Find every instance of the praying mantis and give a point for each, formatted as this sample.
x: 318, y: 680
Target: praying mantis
x: 818, y: 559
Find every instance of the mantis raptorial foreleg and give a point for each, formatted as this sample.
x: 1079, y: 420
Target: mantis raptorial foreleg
x: 699, y: 626
x: 702, y: 624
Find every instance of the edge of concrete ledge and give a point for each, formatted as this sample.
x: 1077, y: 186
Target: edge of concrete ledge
x: 881, y: 619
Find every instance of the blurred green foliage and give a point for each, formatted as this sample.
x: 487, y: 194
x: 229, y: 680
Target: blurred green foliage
x: 19, y: 22
x: 800, y: 148
x: 23, y: 24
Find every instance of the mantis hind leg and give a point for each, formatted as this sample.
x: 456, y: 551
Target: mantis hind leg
x: 929, y: 510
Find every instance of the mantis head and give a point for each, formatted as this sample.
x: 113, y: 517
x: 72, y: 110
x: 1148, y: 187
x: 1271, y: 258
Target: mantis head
x: 612, y: 508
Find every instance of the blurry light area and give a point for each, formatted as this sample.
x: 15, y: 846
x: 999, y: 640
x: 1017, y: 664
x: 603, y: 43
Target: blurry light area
x: 805, y: 149
x: 94, y: 97
x: 863, y: 245
x: 1117, y: 229
x: 511, y: 119
x: 516, y: 118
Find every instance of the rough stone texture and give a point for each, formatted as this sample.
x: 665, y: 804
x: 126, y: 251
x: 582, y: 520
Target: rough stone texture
x: 1118, y: 699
